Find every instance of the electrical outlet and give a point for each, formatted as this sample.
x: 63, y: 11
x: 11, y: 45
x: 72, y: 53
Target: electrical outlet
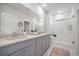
x: 73, y: 42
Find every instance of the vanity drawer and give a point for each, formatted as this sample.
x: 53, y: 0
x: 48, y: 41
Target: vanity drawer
x: 10, y: 49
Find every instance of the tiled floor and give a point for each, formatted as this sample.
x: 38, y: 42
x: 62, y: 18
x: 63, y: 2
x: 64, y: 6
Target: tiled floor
x: 57, y: 51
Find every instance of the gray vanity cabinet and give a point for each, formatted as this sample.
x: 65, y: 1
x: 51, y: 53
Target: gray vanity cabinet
x: 13, y: 48
x: 43, y: 44
x: 47, y: 41
x: 39, y: 46
x: 26, y: 51
x: 31, y: 47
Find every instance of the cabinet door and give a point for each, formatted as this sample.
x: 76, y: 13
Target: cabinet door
x: 10, y: 49
x: 19, y: 53
x: 42, y: 45
x: 48, y: 41
x: 27, y: 51
x: 31, y: 50
x: 39, y: 49
x: 45, y: 43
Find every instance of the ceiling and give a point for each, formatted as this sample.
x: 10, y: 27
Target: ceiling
x: 55, y: 7
x: 52, y: 8
x: 23, y: 9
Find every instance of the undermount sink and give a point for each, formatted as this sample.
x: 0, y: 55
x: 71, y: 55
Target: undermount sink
x: 35, y: 33
x: 17, y: 37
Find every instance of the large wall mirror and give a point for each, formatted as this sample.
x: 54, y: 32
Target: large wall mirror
x: 9, y: 23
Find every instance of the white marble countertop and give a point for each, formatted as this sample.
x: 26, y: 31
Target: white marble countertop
x: 5, y: 41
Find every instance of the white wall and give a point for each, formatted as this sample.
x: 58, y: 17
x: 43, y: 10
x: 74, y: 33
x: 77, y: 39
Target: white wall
x: 41, y: 25
x: 34, y: 23
x: 47, y: 23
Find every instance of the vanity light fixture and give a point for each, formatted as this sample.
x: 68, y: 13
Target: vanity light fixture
x: 44, y: 4
x: 59, y: 11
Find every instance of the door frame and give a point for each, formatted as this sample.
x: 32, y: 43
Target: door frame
x: 76, y: 8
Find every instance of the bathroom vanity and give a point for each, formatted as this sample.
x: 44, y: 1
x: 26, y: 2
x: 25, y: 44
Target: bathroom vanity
x: 29, y: 45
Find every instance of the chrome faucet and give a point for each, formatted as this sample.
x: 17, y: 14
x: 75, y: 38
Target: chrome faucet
x: 14, y: 34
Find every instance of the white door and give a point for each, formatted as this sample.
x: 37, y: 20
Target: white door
x: 77, y: 41
x: 64, y: 31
